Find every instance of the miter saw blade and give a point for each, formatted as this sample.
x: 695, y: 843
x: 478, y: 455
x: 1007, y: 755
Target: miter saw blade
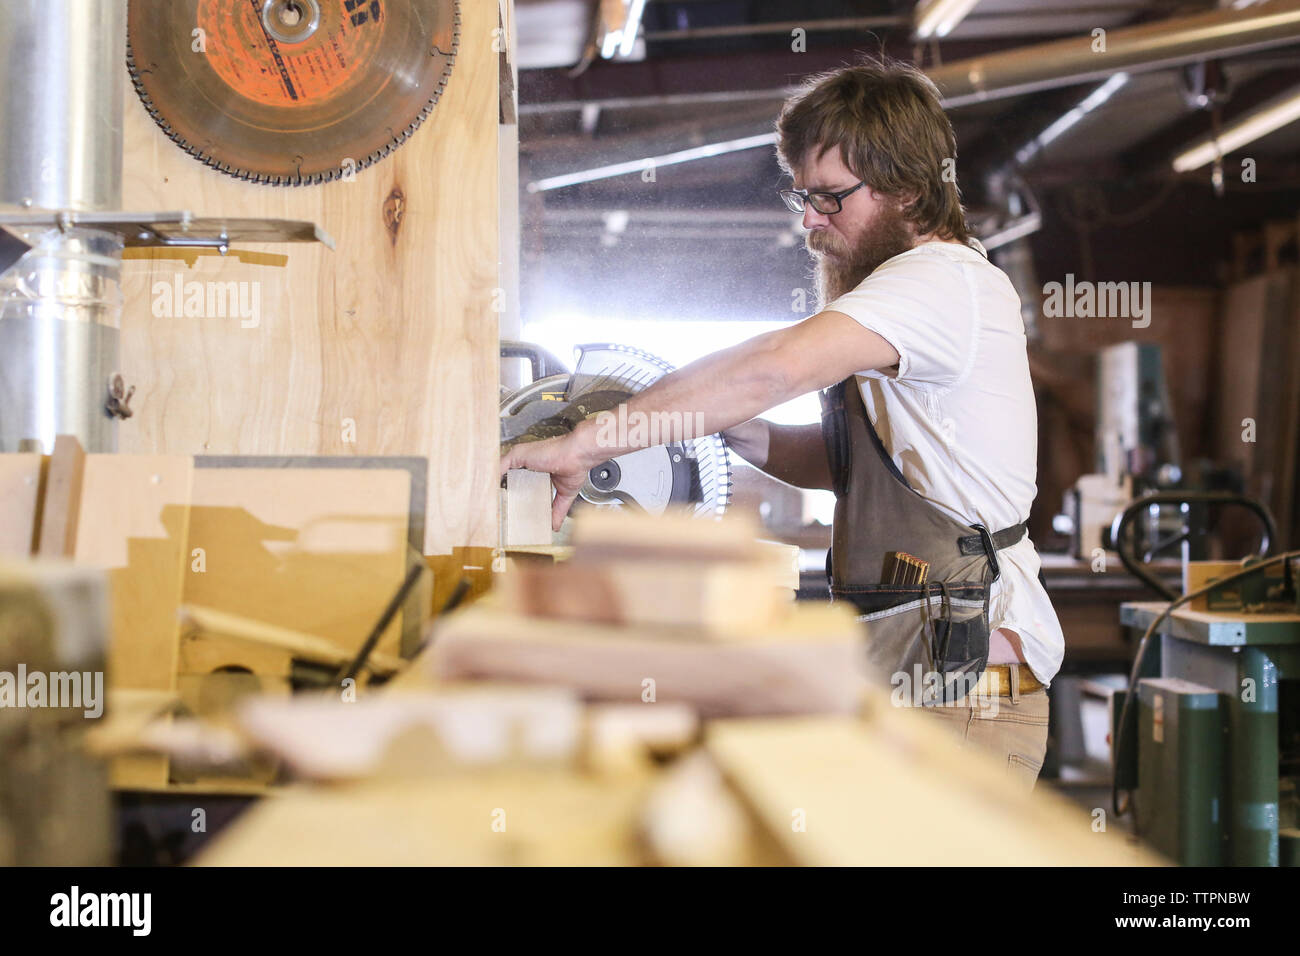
x: 695, y: 472
x: 291, y: 92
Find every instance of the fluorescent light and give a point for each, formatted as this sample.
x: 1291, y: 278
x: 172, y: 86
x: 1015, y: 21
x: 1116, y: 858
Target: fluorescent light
x: 1270, y: 116
x: 631, y: 26
x: 938, y: 18
x: 623, y: 40
x: 652, y: 162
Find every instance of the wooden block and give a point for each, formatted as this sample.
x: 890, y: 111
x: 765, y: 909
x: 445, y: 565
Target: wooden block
x: 417, y: 734
x: 692, y: 819
x: 809, y: 663
x: 58, y: 536
x: 20, y: 487
x: 606, y: 534
x: 526, y: 508
x: 724, y: 599
x: 1197, y: 574
x: 783, y: 559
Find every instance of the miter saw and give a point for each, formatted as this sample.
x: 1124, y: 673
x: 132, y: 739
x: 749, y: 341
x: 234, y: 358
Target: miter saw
x: 694, y: 474
x: 291, y: 92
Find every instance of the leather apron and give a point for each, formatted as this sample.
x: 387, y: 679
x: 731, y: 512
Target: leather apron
x: 938, y: 630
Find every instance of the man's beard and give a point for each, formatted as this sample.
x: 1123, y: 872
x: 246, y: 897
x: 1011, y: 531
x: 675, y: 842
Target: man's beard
x: 840, y: 269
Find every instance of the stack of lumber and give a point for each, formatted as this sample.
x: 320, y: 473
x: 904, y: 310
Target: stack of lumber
x: 667, y: 608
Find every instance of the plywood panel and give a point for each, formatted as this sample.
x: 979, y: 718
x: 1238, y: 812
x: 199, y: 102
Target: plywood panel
x: 133, y: 521
x: 61, y: 500
x: 314, y: 550
x: 20, y: 485
x: 388, y: 345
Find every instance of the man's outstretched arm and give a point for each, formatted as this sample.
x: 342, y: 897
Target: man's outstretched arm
x: 711, y: 395
x: 794, y: 454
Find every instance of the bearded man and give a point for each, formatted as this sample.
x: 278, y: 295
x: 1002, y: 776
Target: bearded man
x: 929, y: 431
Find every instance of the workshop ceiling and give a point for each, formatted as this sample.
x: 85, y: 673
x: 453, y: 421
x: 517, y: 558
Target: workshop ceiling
x: 712, y: 71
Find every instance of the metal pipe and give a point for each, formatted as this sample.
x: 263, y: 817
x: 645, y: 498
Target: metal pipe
x: 60, y: 307
x: 61, y: 101
x: 1139, y: 49
x: 757, y: 29
x: 61, y: 105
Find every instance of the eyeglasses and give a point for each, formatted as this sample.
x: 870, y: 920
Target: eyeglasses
x: 828, y: 204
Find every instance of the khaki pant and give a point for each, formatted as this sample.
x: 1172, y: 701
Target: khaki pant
x: 1012, y: 730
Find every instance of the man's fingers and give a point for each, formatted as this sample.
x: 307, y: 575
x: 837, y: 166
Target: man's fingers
x: 560, y: 509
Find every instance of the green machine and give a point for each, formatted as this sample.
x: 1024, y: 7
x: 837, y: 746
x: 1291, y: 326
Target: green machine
x: 1181, y: 770
x: 1217, y: 761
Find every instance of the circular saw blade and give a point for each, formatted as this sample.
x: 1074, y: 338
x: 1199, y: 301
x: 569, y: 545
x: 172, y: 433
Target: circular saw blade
x: 605, y: 376
x: 291, y: 92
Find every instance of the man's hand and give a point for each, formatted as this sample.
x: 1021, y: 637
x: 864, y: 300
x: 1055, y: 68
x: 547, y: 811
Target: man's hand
x: 563, y: 459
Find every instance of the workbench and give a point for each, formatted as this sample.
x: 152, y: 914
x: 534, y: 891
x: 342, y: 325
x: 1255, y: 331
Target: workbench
x: 1243, y: 656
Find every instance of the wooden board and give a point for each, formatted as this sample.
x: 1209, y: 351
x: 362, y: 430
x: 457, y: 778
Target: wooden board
x: 61, y: 498
x: 314, y: 550
x: 1252, y: 385
x: 20, y: 487
x: 387, y: 345
x: 135, y: 522
x: 810, y: 662
x: 835, y: 791
x: 526, y: 509
x: 542, y: 817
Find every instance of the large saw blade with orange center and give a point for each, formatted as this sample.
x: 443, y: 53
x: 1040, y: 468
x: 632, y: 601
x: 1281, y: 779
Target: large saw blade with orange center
x: 291, y: 92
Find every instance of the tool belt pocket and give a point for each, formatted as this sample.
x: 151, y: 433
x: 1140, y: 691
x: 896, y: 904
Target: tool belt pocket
x: 935, y: 633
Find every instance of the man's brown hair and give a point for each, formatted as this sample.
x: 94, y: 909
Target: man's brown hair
x: 892, y: 133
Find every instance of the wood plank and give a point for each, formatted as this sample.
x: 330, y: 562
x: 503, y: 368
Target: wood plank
x: 833, y: 791
x: 808, y: 663
x: 20, y: 489
x: 135, y: 522
x: 545, y: 818
x: 212, y: 623
x: 388, y: 345
x: 724, y: 599
x: 62, y: 500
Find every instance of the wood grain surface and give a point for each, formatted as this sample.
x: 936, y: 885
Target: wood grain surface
x: 387, y: 345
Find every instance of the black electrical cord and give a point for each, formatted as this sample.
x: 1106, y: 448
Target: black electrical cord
x: 1141, y: 654
x: 351, y: 670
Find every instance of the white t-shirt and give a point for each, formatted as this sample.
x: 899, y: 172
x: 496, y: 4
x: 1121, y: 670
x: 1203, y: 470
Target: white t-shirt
x: 959, y: 417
